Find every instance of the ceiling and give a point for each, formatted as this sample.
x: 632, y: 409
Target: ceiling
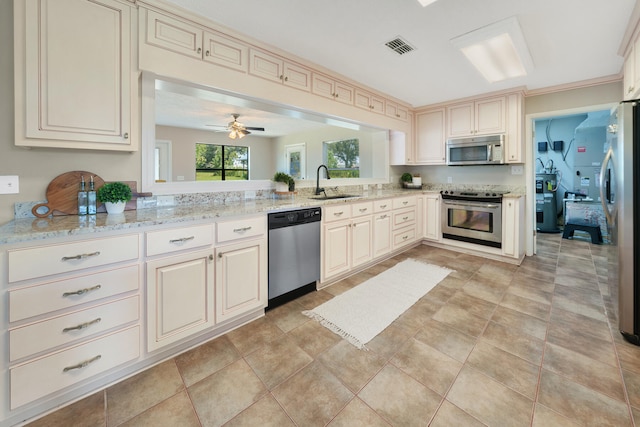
x: 569, y: 40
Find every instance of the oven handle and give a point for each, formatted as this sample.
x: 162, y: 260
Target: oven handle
x: 472, y: 204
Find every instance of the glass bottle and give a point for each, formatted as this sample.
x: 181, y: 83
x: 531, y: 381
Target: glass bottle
x: 91, y: 198
x: 82, y: 198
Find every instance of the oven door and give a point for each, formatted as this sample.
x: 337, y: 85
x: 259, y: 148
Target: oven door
x: 472, y: 221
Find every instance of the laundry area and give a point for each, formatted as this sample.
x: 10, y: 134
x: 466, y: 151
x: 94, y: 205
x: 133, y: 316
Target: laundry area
x: 569, y: 152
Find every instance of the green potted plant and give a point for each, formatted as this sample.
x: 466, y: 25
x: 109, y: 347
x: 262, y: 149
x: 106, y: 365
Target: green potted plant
x: 406, y: 178
x: 115, y: 196
x: 283, y: 182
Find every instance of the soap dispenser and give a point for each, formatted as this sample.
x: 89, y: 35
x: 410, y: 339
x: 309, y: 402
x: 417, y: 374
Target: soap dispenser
x: 82, y: 198
x: 91, y: 198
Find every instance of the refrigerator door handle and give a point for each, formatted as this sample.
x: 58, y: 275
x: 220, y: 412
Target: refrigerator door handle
x: 610, y: 215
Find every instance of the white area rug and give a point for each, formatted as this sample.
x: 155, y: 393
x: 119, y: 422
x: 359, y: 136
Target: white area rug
x: 364, y: 311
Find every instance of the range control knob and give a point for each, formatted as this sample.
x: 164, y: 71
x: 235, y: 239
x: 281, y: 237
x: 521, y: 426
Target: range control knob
x: 487, y: 194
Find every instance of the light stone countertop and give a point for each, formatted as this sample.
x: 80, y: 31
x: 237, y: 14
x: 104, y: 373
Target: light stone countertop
x: 30, y: 229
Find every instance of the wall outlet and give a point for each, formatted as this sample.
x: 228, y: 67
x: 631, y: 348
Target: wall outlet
x: 517, y: 170
x: 9, y: 184
x: 165, y: 201
x: 449, y: 180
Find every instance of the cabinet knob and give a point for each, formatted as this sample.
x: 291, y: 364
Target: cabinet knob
x: 211, y: 257
x: 199, y: 50
x: 126, y: 135
x: 207, y: 53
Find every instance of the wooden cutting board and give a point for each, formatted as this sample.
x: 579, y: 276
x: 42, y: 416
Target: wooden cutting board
x: 62, y: 194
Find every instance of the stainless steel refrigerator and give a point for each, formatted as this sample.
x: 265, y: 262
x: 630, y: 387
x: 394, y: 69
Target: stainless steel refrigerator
x: 619, y: 183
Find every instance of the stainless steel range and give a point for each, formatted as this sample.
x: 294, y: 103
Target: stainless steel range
x: 474, y: 217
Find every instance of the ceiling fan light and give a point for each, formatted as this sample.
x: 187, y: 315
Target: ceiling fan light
x: 233, y: 134
x: 426, y: 3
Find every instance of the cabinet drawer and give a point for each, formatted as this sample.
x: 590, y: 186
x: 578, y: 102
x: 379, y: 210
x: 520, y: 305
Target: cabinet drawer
x: 335, y: 213
x: 383, y: 205
x: 404, y: 236
x: 404, y: 217
x: 404, y: 202
x: 241, y: 228
x: 46, y: 375
x: 359, y: 209
x: 71, y: 327
x: 47, y: 297
x: 69, y: 257
x: 177, y: 239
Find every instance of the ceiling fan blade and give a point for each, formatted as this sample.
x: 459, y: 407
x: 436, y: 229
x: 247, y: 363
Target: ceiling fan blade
x: 218, y: 126
x: 252, y: 128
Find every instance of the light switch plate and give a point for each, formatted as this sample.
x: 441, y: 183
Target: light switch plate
x: 9, y: 184
x: 517, y: 170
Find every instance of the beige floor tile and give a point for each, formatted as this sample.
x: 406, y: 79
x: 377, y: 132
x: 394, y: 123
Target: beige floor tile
x: 389, y: 341
x: 520, y: 322
x: 545, y: 417
x: 472, y: 304
x: 357, y: 414
x: 174, y: 411
x: 314, y: 338
x: 577, y: 323
x: 313, y: 299
x: 629, y: 354
x: 352, y: 366
x: 485, y: 289
x: 429, y: 366
x: 583, y: 343
x: 489, y: 401
x: 313, y: 396
x: 526, y: 305
x: 580, y: 403
x: 264, y: 413
x: 579, y: 307
x: 461, y: 320
x: 441, y: 294
x: 533, y: 289
x: 278, y: 360
x: 632, y: 384
x: 254, y: 335
x: 287, y: 316
x: 515, y: 342
x: 589, y: 372
x: 449, y: 415
x: 206, y: 359
x: 91, y: 410
x: 447, y: 340
x: 400, y: 399
x: 512, y: 371
x: 135, y: 395
x: 223, y: 395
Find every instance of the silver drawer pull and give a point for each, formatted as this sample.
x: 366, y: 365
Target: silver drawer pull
x: 182, y: 239
x: 338, y: 213
x: 383, y: 216
x: 383, y: 206
x: 81, y: 256
x: 405, y: 237
x: 82, y: 325
x: 240, y: 230
x: 405, y: 202
x: 404, y: 218
x: 82, y: 291
x: 82, y: 364
x: 363, y: 210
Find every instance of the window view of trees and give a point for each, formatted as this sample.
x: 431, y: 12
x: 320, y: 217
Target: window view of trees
x: 342, y: 158
x: 221, y: 162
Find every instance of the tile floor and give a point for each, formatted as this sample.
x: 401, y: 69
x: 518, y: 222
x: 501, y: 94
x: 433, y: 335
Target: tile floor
x: 493, y: 344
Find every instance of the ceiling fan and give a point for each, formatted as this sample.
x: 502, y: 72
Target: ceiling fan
x: 237, y: 129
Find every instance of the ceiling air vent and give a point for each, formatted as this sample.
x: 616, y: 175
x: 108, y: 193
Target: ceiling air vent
x: 399, y: 46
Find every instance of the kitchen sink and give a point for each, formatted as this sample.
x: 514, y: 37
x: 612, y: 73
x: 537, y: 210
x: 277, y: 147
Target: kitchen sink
x: 334, y: 196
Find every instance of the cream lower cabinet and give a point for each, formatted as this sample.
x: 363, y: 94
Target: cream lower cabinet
x: 381, y: 234
x: 241, y: 278
x: 512, y: 231
x: 432, y: 214
x: 336, y: 248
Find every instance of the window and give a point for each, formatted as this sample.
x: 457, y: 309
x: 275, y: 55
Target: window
x: 342, y: 158
x: 221, y: 162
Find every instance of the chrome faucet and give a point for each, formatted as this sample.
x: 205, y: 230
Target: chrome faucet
x: 318, y: 189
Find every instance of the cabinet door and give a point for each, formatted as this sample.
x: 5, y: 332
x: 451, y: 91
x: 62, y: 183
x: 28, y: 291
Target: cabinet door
x: 432, y: 214
x: 179, y: 297
x: 381, y: 234
x: 174, y: 35
x: 629, y: 74
x: 511, y: 235
x: 396, y: 111
x: 344, y: 92
x: 369, y: 101
x: 636, y: 69
x: 297, y: 76
x: 241, y: 278
x: 514, y: 144
x: 460, y: 119
x: 490, y: 116
x: 361, y: 247
x: 77, y: 58
x: 265, y: 65
x: 225, y: 51
x: 430, y: 137
x: 336, y: 250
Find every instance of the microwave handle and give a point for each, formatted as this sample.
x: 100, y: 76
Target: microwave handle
x: 489, y: 148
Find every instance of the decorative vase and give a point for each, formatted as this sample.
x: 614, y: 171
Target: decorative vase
x: 115, y: 208
x: 282, y: 187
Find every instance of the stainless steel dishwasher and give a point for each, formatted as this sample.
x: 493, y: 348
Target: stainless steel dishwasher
x: 294, y: 254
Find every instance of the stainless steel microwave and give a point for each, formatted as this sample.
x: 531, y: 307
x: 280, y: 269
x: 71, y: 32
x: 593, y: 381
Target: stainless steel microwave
x: 479, y: 150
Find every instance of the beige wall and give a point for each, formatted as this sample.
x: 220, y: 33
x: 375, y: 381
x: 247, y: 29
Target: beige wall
x: 575, y: 98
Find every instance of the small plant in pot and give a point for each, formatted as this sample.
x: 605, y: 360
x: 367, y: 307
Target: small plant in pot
x: 115, y: 196
x: 406, y: 178
x: 284, y: 182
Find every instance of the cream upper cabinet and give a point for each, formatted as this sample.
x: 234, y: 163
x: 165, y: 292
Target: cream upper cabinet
x: 74, y: 81
x: 397, y: 111
x: 369, y: 101
x: 277, y: 69
x: 631, y: 82
x: 187, y: 39
x: 481, y: 117
x: 514, y: 145
x: 334, y: 89
x: 430, y: 137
